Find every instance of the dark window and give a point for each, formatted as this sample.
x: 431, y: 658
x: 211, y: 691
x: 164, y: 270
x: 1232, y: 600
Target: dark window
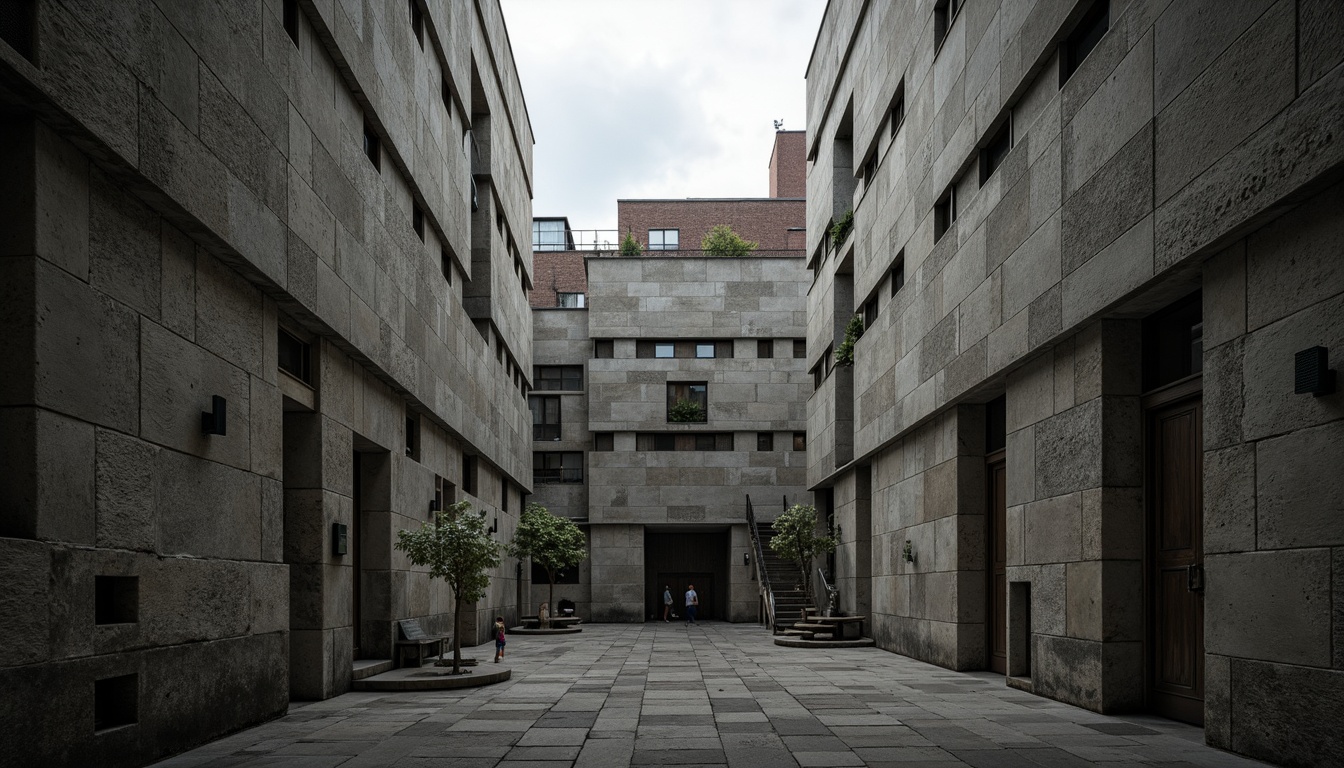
x: 944, y: 13
x: 413, y: 436
x: 870, y: 310
x: 116, y: 701
x: 570, y: 300
x: 1173, y: 342
x: 562, y: 576
x: 1091, y: 28
x: 765, y: 348
x: 898, y: 273
x: 545, y: 417
x: 446, y: 264
x: 800, y: 441
x: 418, y: 23
x: 996, y: 151
x: 294, y: 356
x: 800, y: 349
x: 696, y: 441
x: 469, y: 468
x: 291, y: 14
x: 371, y: 147
x: 945, y: 212
x: 695, y: 394
x: 684, y: 349
x: 604, y: 441
x: 418, y: 221
x: 18, y: 26
x: 870, y: 169
x: 818, y: 376
x: 561, y: 377
x: 765, y: 441
x: 897, y: 116
x: 996, y: 424
x: 116, y: 599
x: 557, y: 467
x: 447, y: 96
x: 604, y: 348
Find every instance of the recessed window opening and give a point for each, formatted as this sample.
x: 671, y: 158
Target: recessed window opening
x: 664, y: 350
x: 418, y: 23
x: 545, y: 416
x: 682, y: 441
x: 291, y: 20
x: 996, y: 151
x: 945, y: 212
x: 470, y: 468
x: 944, y: 14
x: 870, y: 169
x: 371, y: 147
x: 898, y: 273
x: 447, y: 95
x: 116, y: 599
x: 558, y: 377
x: 765, y: 348
x: 18, y: 26
x: 765, y: 441
x: 294, y: 356
x: 604, y: 349
x: 688, y: 401
x: 604, y: 441
x: 413, y: 436
x: 116, y: 702
x: 418, y: 221
x: 799, y: 349
x: 704, y: 350
x: 897, y: 116
x: 557, y: 467
x: 871, y: 308
x: 1076, y: 47
x: 800, y: 441
x: 664, y: 239
x: 446, y: 263
x: 570, y: 300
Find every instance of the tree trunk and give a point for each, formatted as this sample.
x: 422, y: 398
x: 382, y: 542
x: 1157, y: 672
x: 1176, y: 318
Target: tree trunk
x: 457, y: 634
x: 550, y: 600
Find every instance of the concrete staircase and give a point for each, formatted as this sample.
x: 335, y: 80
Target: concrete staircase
x: 784, y: 579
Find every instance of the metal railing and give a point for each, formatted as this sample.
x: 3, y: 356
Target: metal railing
x: 763, y: 576
x: 608, y: 242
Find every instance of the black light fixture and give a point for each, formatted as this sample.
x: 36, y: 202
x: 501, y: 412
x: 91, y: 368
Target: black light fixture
x: 1312, y: 374
x: 494, y: 527
x: 215, y: 420
x: 339, y: 539
x: 746, y: 558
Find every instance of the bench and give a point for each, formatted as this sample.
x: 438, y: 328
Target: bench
x: 416, y: 638
x: 558, y: 622
x: 841, y: 627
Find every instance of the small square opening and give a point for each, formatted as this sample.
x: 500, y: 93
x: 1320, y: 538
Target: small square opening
x: 116, y: 599
x: 116, y: 702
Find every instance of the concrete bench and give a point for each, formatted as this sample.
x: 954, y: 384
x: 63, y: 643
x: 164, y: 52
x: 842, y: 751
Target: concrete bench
x: 415, y: 638
x: 841, y: 627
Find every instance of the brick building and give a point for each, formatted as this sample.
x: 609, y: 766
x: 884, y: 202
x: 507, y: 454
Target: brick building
x: 1095, y: 248
x: 664, y: 501
x: 303, y: 224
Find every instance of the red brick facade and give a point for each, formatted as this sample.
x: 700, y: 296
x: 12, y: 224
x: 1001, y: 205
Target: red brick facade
x: 765, y: 221
x: 555, y: 272
x: 788, y: 164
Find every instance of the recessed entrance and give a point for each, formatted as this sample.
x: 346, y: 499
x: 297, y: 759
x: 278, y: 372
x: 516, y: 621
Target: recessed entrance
x: 677, y: 560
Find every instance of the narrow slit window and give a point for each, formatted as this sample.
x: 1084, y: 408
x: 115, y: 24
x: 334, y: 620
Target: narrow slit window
x: 765, y: 348
x: 418, y: 221
x: 945, y: 212
x: 1076, y: 47
x: 898, y: 274
x: 418, y: 23
x: 291, y: 20
x: 897, y: 116
x: 371, y: 149
x: 996, y: 151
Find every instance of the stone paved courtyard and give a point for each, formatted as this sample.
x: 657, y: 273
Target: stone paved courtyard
x: 714, y: 694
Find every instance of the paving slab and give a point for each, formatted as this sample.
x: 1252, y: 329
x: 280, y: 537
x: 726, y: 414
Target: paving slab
x: 716, y: 694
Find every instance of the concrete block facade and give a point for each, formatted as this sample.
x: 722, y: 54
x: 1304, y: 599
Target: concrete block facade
x: 1104, y: 308
x: 212, y: 201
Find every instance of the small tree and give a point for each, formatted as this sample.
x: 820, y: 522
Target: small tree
x: 553, y: 542
x: 458, y: 549
x: 796, y: 539
x: 723, y: 241
x: 630, y: 246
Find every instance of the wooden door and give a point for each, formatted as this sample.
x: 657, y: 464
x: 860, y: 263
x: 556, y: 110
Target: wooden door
x: 1176, y: 561
x: 996, y: 602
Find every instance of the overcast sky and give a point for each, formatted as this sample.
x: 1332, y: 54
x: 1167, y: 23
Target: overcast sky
x: 657, y: 98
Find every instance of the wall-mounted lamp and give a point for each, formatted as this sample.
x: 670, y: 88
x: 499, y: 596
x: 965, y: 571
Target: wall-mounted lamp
x: 746, y: 558
x: 339, y: 538
x: 215, y: 420
x: 494, y: 527
x: 1312, y: 374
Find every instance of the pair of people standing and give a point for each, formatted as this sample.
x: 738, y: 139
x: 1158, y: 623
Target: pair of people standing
x: 692, y: 603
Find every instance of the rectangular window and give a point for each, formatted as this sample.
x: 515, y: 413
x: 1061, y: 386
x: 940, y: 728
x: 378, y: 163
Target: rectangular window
x: 604, y: 349
x: 870, y: 310
x: 549, y: 235
x: 818, y: 376
x: 413, y: 436
x: 604, y: 441
x: 898, y: 273
x: 545, y: 417
x: 765, y: 441
x: 116, y: 702
x: 570, y: 300
x: 291, y: 20
x: 765, y: 348
x: 897, y: 116
x: 418, y: 23
x: 1075, y: 48
x: 371, y: 147
x: 996, y: 151
x: 664, y: 239
x: 294, y: 356
x: 418, y: 221
x: 695, y: 441
x: 557, y: 467
x: 705, y: 350
x: 18, y: 26
x: 945, y: 212
x: 447, y: 96
x: 504, y: 497
x: 469, y: 469
x: 688, y: 401
x: 870, y: 169
x: 944, y: 14
x: 800, y: 349
x: 116, y: 599
x: 558, y: 377
x: 800, y: 441
x: 446, y: 264
x: 664, y: 350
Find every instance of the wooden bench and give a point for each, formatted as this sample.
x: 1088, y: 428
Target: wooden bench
x: 416, y: 638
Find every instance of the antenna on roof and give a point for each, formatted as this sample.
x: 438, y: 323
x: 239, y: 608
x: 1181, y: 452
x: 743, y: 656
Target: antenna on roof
x: 779, y: 124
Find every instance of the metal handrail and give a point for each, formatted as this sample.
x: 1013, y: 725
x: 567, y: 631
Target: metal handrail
x: 763, y: 576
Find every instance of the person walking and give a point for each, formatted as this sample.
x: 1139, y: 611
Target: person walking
x: 499, y: 638
x: 692, y: 603
x: 667, y: 604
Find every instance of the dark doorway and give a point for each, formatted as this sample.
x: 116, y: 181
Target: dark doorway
x: 356, y: 562
x: 677, y: 560
x: 996, y: 602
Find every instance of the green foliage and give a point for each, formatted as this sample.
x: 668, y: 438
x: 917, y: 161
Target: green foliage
x: 630, y: 246
x: 796, y: 539
x: 456, y: 548
x: 723, y: 241
x: 554, y: 543
x: 683, y: 411
x: 844, y: 354
x: 840, y: 229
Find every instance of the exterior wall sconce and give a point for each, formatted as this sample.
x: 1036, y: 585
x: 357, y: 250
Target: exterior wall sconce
x: 339, y: 536
x: 746, y: 558
x: 1312, y: 374
x: 908, y: 554
x: 494, y: 526
x: 215, y: 420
